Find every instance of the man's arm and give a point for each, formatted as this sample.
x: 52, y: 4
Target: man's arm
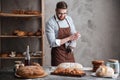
x: 73, y: 37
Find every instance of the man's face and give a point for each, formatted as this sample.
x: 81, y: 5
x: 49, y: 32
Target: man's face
x: 61, y: 13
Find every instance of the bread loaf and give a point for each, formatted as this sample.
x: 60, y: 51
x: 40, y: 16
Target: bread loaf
x: 70, y: 65
x: 32, y: 71
x: 69, y: 69
x: 96, y: 64
x: 104, y: 71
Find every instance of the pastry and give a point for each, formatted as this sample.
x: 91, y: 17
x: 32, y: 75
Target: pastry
x: 18, y: 11
x: 32, y: 71
x: 30, y: 33
x: 105, y: 71
x: 15, y: 12
x: 4, y: 55
x: 32, y: 12
x: 38, y: 33
x: 97, y: 64
x: 19, y: 33
x: 69, y: 69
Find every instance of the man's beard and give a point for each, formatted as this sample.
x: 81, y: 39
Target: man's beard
x: 61, y: 18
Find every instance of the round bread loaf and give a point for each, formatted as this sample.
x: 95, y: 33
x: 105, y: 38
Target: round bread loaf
x: 32, y: 71
x: 105, y: 71
x: 70, y: 65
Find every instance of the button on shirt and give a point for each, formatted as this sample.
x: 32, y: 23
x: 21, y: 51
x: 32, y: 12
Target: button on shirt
x: 52, y: 30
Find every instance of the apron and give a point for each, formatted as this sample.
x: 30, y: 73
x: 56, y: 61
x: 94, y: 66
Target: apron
x: 59, y: 54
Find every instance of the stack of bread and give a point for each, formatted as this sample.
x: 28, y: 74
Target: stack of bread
x: 97, y: 64
x: 69, y: 69
x: 33, y: 71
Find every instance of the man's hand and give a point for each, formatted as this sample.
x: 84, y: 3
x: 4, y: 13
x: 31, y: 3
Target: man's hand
x: 75, y: 36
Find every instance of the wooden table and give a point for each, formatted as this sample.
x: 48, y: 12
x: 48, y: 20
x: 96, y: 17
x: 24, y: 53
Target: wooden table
x: 9, y: 75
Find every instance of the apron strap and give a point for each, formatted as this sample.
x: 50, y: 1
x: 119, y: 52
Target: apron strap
x: 67, y: 22
x: 56, y: 21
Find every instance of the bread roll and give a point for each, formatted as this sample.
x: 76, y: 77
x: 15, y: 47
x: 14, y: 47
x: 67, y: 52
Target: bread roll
x: 105, y: 71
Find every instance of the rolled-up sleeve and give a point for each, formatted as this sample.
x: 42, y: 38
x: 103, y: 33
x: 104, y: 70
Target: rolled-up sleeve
x: 50, y: 33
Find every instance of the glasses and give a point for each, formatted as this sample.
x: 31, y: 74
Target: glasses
x: 62, y: 13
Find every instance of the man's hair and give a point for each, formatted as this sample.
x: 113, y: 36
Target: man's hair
x: 61, y: 5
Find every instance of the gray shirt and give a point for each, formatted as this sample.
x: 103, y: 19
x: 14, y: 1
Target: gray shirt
x: 52, y: 30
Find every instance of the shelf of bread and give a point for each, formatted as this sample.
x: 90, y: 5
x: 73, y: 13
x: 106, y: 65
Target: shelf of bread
x: 21, y: 33
x: 19, y: 15
x: 19, y: 57
x: 14, y: 36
